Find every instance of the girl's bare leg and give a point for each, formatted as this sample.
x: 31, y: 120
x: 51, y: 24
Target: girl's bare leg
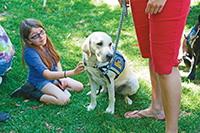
x: 54, y: 95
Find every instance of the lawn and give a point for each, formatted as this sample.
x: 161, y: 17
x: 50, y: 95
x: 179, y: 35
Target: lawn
x: 68, y: 23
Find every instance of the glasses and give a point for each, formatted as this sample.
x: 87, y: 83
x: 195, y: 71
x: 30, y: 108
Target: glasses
x: 36, y: 36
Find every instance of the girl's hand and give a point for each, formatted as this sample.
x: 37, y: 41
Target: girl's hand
x: 155, y: 6
x: 63, y: 83
x: 79, y: 69
x: 120, y: 2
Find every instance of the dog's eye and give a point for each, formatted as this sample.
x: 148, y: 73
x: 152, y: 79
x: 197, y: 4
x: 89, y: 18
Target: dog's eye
x: 99, y: 44
x: 110, y: 44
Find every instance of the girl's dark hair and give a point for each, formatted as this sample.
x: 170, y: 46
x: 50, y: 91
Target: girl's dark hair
x: 25, y: 30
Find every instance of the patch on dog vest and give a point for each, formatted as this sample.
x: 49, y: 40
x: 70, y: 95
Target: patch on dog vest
x: 118, y: 62
x: 192, y: 36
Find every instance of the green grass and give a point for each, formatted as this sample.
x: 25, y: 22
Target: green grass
x: 61, y: 19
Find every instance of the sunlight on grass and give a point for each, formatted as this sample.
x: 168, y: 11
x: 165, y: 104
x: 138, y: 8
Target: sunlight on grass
x: 194, y: 2
x: 109, y: 2
x: 194, y: 88
x: 2, y: 18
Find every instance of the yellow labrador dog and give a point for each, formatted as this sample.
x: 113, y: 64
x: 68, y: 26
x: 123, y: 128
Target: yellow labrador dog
x: 97, y: 55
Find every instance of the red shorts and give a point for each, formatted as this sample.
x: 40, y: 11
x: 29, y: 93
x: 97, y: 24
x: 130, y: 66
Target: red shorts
x: 159, y: 35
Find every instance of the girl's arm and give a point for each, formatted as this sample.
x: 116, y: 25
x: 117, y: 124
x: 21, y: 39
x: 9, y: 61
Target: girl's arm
x: 50, y: 75
x: 59, y: 67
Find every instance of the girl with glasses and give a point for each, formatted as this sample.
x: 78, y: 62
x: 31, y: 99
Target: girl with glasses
x: 45, y: 70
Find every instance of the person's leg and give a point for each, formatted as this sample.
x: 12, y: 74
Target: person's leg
x: 156, y: 103
x: 166, y: 30
x: 141, y: 22
x: 74, y: 85
x: 54, y: 95
x: 156, y: 110
x: 5, y: 68
x: 171, y: 96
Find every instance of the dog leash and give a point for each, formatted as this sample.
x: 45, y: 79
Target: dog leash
x: 123, y: 14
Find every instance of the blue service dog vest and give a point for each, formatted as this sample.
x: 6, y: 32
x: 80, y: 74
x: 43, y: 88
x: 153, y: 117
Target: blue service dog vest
x: 191, y: 37
x: 117, y: 66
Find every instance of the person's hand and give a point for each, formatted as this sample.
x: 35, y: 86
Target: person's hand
x: 155, y: 6
x: 63, y: 83
x: 79, y: 69
x: 120, y: 2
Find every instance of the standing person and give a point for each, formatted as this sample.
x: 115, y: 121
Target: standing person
x: 159, y: 25
x: 6, y: 53
x: 45, y: 70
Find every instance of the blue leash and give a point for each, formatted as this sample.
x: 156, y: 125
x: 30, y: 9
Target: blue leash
x: 123, y: 14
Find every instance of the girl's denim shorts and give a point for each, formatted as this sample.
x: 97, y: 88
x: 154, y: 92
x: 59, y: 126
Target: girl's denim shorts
x: 40, y: 85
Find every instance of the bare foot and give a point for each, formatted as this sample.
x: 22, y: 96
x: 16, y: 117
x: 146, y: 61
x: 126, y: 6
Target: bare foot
x: 145, y: 114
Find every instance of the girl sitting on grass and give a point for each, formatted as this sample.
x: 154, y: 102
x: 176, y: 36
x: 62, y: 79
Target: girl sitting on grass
x: 45, y: 70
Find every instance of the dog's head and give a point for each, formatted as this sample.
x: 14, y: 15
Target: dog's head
x: 191, y: 43
x: 100, y: 45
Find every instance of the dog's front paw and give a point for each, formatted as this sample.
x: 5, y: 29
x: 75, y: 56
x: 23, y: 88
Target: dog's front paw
x: 110, y: 110
x: 128, y: 100
x: 91, y: 107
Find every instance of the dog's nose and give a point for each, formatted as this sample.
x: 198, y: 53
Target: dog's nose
x: 109, y: 56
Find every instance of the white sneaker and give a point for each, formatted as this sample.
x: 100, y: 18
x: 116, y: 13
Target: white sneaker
x: 67, y: 93
x: 1, y: 79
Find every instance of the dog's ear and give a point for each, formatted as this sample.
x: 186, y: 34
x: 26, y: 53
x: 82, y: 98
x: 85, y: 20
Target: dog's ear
x: 86, y: 46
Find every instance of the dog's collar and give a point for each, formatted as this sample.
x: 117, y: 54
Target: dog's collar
x: 85, y: 63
